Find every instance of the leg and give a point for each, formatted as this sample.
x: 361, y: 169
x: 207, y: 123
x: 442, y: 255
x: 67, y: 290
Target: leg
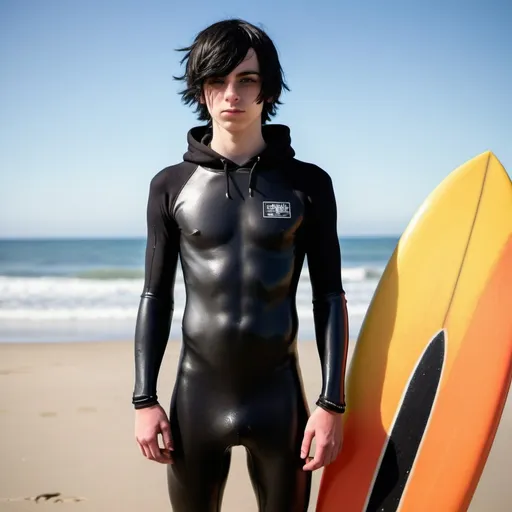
x: 196, y: 481
x: 202, y: 453
x: 277, y: 423
x: 279, y: 482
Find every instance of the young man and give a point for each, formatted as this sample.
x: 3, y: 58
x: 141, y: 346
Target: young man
x: 242, y: 214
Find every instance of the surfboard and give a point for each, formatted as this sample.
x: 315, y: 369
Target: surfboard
x: 432, y: 365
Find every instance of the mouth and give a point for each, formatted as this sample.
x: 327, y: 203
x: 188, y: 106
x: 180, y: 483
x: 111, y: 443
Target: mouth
x: 232, y: 111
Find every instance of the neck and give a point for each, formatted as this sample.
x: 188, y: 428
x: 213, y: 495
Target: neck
x: 238, y: 146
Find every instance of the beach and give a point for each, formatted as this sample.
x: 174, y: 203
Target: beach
x: 67, y: 427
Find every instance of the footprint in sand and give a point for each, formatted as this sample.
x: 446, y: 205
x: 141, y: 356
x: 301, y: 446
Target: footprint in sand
x: 87, y: 409
x: 56, y: 497
x: 47, y: 414
x: 23, y: 369
x: 47, y: 497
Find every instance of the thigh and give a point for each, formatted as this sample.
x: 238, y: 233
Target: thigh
x: 273, y: 448
x: 279, y: 482
x: 202, y: 454
x: 196, y: 482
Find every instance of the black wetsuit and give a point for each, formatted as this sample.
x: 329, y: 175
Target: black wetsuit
x: 241, y: 234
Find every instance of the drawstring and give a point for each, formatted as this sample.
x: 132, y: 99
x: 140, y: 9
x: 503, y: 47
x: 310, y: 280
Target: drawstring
x: 227, y: 177
x: 251, y: 176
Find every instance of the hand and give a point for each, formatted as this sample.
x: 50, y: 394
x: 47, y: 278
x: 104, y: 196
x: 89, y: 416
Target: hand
x: 150, y: 422
x: 327, y: 428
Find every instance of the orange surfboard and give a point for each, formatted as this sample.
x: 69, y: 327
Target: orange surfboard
x: 433, y: 362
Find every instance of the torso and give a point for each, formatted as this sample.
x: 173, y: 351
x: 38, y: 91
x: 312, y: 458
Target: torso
x: 241, y: 259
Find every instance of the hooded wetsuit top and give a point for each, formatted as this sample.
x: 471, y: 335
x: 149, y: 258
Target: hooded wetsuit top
x: 241, y: 234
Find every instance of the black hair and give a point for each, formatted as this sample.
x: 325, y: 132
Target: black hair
x: 220, y: 48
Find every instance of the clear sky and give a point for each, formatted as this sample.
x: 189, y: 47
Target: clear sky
x: 388, y: 97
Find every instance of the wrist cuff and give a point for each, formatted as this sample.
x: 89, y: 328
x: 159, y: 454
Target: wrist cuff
x: 141, y: 402
x: 330, y: 406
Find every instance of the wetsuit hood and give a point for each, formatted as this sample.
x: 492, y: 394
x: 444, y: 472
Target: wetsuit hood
x: 277, y: 150
x: 276, y: 136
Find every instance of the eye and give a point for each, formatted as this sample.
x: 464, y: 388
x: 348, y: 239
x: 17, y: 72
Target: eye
x: 249, y: 80
x: 214, y: 81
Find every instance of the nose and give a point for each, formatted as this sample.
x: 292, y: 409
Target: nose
x: 231, y: 93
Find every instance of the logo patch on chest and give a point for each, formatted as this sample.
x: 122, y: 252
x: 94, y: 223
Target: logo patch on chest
x: 277, y: 210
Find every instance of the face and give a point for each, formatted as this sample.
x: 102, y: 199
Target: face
x: 231, y: 99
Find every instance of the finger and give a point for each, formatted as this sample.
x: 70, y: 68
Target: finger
x: 155, y: 451
x: 329, y: 458
x: 142, y: 449
x: 147, y: 450
x: 167, y: 455
x: 165, y: 430
x: 164, y: 455
x: 338, y: 451
x: 306, y: 443
x: 319, y: 459
x: 166, y: 436
x: 313, y: 465
x: 333, y: 455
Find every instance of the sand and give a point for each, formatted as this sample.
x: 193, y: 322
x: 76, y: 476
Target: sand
x: 66, y: 424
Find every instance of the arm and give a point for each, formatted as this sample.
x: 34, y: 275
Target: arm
x: 157, y: 299
x: 329, y: 304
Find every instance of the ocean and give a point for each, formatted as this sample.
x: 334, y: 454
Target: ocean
x: 89, y: 290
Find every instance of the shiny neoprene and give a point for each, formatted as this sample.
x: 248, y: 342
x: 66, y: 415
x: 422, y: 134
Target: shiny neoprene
x: 242, y: 234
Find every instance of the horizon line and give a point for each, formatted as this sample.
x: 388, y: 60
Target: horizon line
x: 143, y: 237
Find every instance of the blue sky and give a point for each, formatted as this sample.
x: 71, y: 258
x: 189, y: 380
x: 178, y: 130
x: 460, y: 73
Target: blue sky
x: 388, y: 97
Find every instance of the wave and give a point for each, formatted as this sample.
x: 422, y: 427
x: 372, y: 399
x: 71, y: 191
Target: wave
x: 63, y: 309
x: 111, y: 273
x: 128, y: 313
x: 94, y: 296
x: 67, y: 299
x: 354, y: 274
x: 349, y: 274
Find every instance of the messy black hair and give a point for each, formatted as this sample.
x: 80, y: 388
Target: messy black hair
x: 220, y: 48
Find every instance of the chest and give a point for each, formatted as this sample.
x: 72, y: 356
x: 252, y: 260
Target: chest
x: 270, y: 218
